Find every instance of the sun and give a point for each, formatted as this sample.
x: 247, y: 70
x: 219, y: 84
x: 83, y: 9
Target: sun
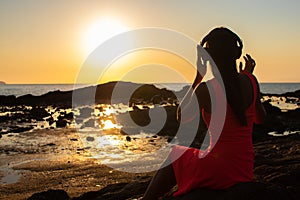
x: 100, y: 31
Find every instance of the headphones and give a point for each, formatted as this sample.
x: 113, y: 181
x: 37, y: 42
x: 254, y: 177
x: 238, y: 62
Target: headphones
x: 224, y: 32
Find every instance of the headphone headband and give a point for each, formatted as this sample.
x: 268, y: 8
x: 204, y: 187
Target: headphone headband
x: 217, y: 32
x: 221, y: 32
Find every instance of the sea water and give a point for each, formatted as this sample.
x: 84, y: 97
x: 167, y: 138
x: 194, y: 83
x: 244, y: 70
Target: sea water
x: 35, y: 89
x: 39, y: 89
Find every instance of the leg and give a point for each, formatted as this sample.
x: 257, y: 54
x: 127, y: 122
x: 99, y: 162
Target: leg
x: 162, y: 182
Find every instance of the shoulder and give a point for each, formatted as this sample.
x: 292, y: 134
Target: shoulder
x: 250, y: 79
x: 243, y: 76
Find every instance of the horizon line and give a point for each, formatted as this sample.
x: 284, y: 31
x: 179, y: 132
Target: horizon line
x: 123, y: 81
x: 117, y: 81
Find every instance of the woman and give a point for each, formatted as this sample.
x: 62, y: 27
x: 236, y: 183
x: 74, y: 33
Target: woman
x: 230, y: 160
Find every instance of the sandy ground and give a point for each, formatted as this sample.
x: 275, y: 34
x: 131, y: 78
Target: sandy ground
x: 52, y: 159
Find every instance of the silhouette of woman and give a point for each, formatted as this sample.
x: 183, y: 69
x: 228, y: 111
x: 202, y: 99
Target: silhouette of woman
x: 231, y: 159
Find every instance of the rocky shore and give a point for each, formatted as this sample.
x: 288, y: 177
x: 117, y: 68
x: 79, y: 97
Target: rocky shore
x: 39, y: 145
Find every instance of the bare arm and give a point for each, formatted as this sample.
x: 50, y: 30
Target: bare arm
x: 190, y: 105
x: 260, y: 112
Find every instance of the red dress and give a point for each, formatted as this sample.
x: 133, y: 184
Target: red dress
x: 229, y: 162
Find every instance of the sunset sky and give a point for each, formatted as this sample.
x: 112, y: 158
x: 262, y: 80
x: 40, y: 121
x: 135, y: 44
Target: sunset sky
x: 47, y: 41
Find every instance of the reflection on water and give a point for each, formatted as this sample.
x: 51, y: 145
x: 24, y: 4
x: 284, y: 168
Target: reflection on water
x: 101, y: 135
x: 124, y: 151
x: 98, y: 135
x: 285, y: 133
x: 107, y: 124
x: 284, y: 103
x: 105, y: 141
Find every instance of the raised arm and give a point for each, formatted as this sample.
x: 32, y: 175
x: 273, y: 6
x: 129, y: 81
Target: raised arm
x: 190, y: 101
x: 260, y: 112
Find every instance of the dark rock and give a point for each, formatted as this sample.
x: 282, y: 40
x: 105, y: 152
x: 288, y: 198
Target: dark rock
x: 19, y: 129
x: 272, y: 123
x: 90, y: 139
x: 146, y: 107
x: 271, y: 110
x: 156, y: 99
x: 61, y: 123
x: 245, y: 191
x: 150, y: 93
x: 69, y: 116
x: 7, y: 100
x: 50, y: 120
x: 49, y: 144
x: 50, y: 195
x: 117, y: 191
x: 38, y: 113
x: 128, y: 138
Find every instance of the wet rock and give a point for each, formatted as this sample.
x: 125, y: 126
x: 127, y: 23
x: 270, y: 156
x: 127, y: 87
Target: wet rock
x: 245, y: 191
x: 50, y: 195
x: 69, y: 116
x: 128, y: 138
x: 117, y: 191
x: 19, y: 129
x: 61, y: 123
x: 8, y: 100
x: 150, y: 93
x: 50, y: 120
x: 273, y: 122
x: 90, y: 139
x: 38, y: 113
x: 146, y: 107
x: 49, y: 145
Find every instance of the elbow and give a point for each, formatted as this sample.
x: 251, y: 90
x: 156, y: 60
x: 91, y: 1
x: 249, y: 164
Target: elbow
x: 260, y: 120
x: 261, y: 116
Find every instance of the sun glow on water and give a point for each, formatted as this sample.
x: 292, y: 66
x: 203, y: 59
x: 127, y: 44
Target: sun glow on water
x: 108, y: 124
x: 108, y: 111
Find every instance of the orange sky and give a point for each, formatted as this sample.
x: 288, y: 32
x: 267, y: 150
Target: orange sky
x: 48, y: 41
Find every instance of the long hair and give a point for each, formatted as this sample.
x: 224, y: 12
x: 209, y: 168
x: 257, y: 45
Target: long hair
x: 225, y: 47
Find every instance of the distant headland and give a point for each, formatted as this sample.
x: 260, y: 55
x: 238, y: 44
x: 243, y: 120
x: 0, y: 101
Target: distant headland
x: 2, y: 83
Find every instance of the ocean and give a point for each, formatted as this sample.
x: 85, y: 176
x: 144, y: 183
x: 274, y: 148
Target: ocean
x: 39, y: 89
x: 35, y: 89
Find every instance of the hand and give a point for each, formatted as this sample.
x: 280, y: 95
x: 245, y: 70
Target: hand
x: 249, y: 64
